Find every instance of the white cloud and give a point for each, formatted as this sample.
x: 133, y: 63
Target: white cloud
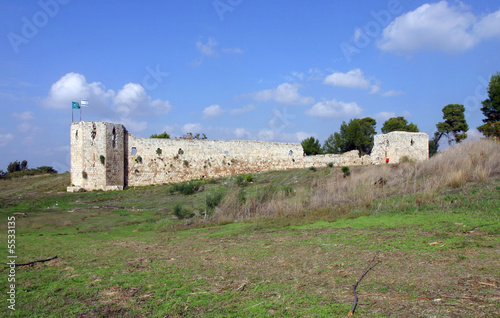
x: 273, y: 135
x: 438, y: 27
x: 474, y: 134
x: 24, y: 116
x: 130, y: 101
x: 383, y: 116
x: 245, y: 109
x: 285, y: 93
x: 242, y: 133
x: 489, y: 26
x: 353, y: 78
x: 192, y: 128
x: 392, y: 93
x: 71, y: 88
x: 207, y: 49
x: 5, y: 139
x: 213, y: 111
x: 334, y: 109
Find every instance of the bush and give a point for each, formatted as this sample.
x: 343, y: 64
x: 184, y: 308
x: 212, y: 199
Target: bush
x: 158, y: 151
x: 138, y: 159
x: 185, y: 188
x: 346, y: 171
x: 102, y: 158
x: 185, y: 163
x: 249, y: 177
x: 313, y: 168
x: 182, y: 213
x: 329, y: 165
x: 213, y: 200
x: 84, y: 175
x: 240, y: 181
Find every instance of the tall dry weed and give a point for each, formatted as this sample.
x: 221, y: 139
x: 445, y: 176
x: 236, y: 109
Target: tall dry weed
x: 454, y: 167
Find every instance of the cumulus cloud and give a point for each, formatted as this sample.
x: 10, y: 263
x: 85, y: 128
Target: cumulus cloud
x: 5, y: 139
x: 334, y: 109
x: 273, y: 135
x: 72, y: 87
x: 131, y: 100
x: 213, y: 111
x: 383, y: 116
x: 25, y: 116
x: 192, y: 128
x: 354, y: 78
x: 242, y: 133
x: 489, y: 26
x: 245, y: 109
x: 285, y: 93
x: 438, y: 27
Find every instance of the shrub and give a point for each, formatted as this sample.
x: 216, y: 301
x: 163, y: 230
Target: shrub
x: 138, y: 159
x: 185, y: 188
x: 84, y: 175
x: 249, y: 177
x: 158, y: 151
x: 346, y: 171
x: 213, y: 200
x: 182, y: 213
x: 240, y: 181
x: 404, y: 159
x: 102, y: 158
x: 185, y: 163
x: 313, y: 168
x: 329, y: 165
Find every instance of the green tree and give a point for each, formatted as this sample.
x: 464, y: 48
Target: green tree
x: 434, y: 144
x: 398, y: 124
x: 24, y: 165
x: 14, y: 166
x: 454, y: 126
x: 311, y: 146
x: 491, y: 109
x: 162, y: 135
x: 357, y: 134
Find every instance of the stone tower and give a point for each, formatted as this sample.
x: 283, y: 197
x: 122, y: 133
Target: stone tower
x: 97, y: 156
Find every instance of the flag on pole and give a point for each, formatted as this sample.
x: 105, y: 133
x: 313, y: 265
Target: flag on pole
x: 75, y: 105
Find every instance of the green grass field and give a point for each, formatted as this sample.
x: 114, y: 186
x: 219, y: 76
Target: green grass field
x: 124, y: 254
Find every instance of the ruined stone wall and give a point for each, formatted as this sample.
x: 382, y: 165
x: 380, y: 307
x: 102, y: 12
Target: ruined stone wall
x: 153, y: 160
x: 398, y: 144
x: 133, y: 161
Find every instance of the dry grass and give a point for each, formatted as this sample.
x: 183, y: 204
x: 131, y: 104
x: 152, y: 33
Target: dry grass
x: 467, y: 162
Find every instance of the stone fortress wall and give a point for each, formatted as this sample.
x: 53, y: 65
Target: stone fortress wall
x: 106, y: 156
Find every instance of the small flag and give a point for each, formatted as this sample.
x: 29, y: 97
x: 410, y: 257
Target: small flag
x: 76, y: 105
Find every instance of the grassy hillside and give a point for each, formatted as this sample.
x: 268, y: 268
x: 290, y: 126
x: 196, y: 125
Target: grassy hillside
x: 286, y: 244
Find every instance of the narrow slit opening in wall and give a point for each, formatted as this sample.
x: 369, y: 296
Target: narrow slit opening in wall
x: 114, y: 137
x: 134, y: 151
x: 290, y: 153
x: 411, y: 142
x: 76, y: 134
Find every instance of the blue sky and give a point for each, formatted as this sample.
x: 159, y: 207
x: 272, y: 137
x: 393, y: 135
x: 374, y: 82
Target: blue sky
x: 236, y: 69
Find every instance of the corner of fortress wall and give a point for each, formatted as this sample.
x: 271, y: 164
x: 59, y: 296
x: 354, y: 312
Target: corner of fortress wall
x: 105, y: 156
